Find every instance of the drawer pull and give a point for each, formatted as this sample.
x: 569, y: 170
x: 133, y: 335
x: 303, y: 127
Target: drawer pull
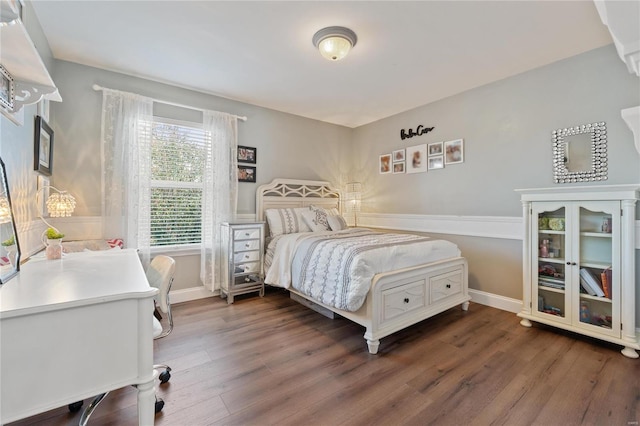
x: 246, y: 256
x: 247, y: 245
x: 406, y: 300
x: 246, y: 234
x: 448, y: 285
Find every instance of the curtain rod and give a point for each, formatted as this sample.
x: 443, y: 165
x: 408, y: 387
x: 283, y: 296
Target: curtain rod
x: 100, y: 88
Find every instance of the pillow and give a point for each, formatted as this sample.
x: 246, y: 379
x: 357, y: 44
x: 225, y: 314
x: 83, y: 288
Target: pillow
x: 286, y: 221
x: 337, y: 223
x: 316, y: 219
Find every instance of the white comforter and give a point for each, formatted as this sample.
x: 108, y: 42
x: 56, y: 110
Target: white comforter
x: 336, y: 268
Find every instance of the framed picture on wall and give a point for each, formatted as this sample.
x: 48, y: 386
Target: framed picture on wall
x: 385, y: 164
x: 436, y: 162
x: 398, y: 167
x: 417, y: 159
x: 435, y: 148
x: 43, y: 147
x: 247, y: 154
x: 398, y: 155
x: 454, y: 151
x: 246, y: 174
x: 7, y: 89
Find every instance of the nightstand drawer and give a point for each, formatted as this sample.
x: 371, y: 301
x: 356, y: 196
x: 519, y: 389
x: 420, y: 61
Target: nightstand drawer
x: 247, y: 268
x: 239, y: 246
x: 246, y: 234
x: 247, y: 256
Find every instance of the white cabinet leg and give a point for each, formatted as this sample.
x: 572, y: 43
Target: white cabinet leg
x: 629, y: 352
x: 373, y: 346
x: 465, y: 306
x: 146, y: 403
x: 525, y: 322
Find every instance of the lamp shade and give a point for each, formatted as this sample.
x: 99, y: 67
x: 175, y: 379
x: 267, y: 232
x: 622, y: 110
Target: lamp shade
x: 334, y: 43
x: 61, y: 204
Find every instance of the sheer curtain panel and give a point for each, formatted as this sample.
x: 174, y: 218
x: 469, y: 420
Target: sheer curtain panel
x: 126, y: 168
x: 220, y: 192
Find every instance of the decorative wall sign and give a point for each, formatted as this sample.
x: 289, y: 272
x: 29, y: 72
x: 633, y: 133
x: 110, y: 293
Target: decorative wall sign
x: 420, y: 130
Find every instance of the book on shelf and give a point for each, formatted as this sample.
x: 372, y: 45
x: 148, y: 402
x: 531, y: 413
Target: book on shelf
x: 591, y: 283
x: 586, y: 288
x: 606, y: 278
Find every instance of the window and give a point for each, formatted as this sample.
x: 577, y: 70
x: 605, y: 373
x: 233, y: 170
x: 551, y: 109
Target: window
x: 178, y: 154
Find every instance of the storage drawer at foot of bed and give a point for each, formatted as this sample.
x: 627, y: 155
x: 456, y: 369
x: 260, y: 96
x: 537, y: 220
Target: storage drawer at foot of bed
x: 446, y: 285
x: 400, y: 300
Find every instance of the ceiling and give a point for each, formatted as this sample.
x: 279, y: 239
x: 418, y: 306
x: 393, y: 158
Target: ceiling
x: 408, y: 53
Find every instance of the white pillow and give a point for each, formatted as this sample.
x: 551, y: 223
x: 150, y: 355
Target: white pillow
x: 286, y: 221
x: 337, y: 223
x: 316, y: 219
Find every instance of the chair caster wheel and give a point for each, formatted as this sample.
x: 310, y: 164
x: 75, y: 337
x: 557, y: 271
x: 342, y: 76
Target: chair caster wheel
x: 165, y: 376
x: 75, y: 407
x: 159, y: 405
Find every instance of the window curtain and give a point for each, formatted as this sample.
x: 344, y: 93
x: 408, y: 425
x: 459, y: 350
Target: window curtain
x: 220, y: 192
x: 126, y: 168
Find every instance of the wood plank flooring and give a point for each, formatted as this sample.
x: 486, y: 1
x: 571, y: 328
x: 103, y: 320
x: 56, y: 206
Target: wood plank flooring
x: 271, y: 361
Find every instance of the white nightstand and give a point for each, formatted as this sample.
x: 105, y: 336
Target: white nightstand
x: 243, y: 252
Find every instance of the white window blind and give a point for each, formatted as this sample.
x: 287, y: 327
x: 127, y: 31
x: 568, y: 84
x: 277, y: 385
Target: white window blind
x: 178, y: 154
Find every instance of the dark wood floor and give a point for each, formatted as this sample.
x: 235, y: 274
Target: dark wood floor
x: 271, y: 361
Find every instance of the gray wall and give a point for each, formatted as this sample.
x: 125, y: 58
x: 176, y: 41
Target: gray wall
x: 506, y: 127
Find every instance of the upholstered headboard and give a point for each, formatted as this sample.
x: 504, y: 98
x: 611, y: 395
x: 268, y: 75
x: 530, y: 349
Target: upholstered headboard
x: 291, y: 193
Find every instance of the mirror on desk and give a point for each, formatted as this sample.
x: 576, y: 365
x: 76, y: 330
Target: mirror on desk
x: 580, y: 153
x: 10, y: 249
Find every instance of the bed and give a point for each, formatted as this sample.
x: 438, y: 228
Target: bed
x: 422, y: 278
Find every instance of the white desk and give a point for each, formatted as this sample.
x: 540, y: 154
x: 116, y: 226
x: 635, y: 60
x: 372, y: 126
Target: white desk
x: 74, y: 328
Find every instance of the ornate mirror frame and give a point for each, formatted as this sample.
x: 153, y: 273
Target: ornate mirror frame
x: 10, y: 249
x: 598, y: 150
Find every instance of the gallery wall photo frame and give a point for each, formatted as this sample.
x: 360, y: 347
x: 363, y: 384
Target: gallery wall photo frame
x: 436, y: 148
x: 246, y: 173
x: 398, y: 155
x: 43, y: 147
x: 436, y: 162
x: 454, y: 151
x: 247, y: 154
x: 398, y: 167
x: 384, y: 164
x: 7, y: 89
x: 416, y: 159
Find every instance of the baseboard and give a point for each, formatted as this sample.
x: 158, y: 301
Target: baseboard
x: 193, y: 293
x: 496, y: 301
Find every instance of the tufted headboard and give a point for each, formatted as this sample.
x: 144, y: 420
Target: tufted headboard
x: 291, y: 193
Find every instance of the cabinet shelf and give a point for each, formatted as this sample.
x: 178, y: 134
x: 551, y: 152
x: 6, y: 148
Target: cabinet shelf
x: 596, y: 298
x: 551, y: 289
x: 595, y: 234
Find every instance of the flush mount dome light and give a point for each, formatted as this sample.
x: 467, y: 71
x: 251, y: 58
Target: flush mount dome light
x: 334, y: 42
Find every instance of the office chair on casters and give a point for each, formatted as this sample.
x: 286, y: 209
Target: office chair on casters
x: 160, y: 275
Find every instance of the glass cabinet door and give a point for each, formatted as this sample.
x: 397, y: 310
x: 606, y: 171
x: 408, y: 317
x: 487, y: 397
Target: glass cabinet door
x: 550, y: 243
x: 598, y: 289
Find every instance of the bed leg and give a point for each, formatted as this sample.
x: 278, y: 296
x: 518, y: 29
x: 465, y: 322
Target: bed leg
x: 373, y: 346
x: 465, y: 306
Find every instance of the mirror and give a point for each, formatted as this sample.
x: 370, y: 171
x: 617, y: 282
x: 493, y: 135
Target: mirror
x: 9, y: 248
x: 580, y: 153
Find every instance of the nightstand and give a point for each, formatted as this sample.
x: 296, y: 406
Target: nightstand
x: 242, y: 255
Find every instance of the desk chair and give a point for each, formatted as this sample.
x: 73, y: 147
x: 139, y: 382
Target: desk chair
x: 160, y: 275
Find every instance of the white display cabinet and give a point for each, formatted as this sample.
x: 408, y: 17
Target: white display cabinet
x: 579, y: 261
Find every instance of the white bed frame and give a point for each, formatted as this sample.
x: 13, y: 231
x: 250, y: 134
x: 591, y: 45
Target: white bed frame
x: 397, y: 299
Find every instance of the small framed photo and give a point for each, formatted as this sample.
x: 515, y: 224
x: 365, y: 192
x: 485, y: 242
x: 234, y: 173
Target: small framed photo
x: 43, y: 147
x: 417, y: 159
x: 436, y: 162
x: 398, y: 167
x: 454, y: 151
x: 398, y: 155
x: 7, y: 89
x: 435, y: 148
x: 385, y: 164
x: 246, y: 174
x: 247, y: 154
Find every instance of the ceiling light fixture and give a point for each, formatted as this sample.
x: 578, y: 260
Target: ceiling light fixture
x: 334, y: 42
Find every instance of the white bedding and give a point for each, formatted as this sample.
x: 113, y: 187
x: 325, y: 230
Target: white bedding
x: 336, y: 268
